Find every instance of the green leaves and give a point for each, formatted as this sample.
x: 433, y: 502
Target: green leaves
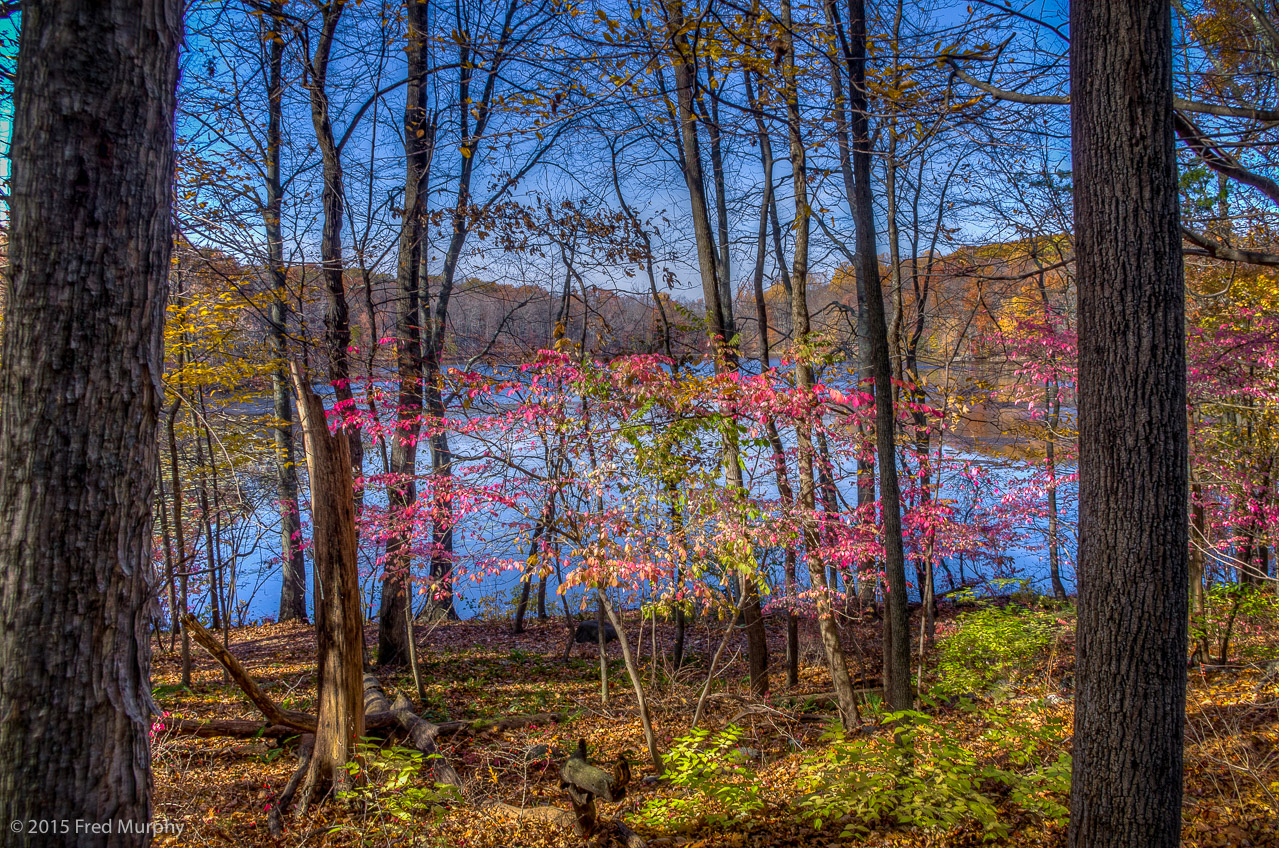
x: 922, y: 776
x: 713, y: 769
x: 994, y: 644
x: 390, y: 783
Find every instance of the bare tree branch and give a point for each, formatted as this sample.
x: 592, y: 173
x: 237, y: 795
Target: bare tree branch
x: 1268, y: 116
x: 1221, y: 161
x: 1216, y: 250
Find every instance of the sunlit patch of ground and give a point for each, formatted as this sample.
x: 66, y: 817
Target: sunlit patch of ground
x: 221, y: 790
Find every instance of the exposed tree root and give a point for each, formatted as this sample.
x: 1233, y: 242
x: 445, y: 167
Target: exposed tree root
x: 423, y: 734
x: 420, y: 732
x: 275, y: 818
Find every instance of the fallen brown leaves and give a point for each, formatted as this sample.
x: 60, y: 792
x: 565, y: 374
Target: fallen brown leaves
x: 222, y: 789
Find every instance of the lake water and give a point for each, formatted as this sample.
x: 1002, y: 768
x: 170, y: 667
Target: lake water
x: 485, y: 535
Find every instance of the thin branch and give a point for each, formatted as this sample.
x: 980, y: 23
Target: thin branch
x: 1269, y: 116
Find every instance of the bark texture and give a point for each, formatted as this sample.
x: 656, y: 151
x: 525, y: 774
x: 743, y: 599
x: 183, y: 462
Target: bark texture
x: 394, y: 634
x: 339, y: 620
x: 79, y: 403
x: 897, y: 687
x: 1133, y: 588
x: 337, y: 314
x: 713, y: 267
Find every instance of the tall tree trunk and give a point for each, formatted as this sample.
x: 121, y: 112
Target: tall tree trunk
x: 339, y: 619
x: 225, y: 581
x: 714, y: 270
x: 685, y: 70
x: 865, y: 358
x: 1131, y: 657
x: 1052, y: 396
x: 835, y: 658
x: 830, y: 501
x: 897, y: 689
x: 602, y: 643
x: 1195, y: 566
x: 1052, y: 405
x: 80, y: 394
x: 183, y: 561
x: 293, y: 584
x: 533, y: 564
x: 785, y: 492
x: 394, y: 634
x: 924, y: 567
x: 637, y: 682
x: 170, y: 573
x: 210, y: 549
x: 681, y: 615
x: 723, y: 274
x: 337, y: 315
x: 473, y: 118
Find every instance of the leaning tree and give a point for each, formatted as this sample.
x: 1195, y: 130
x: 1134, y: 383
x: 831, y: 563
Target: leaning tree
x: 79, y: 397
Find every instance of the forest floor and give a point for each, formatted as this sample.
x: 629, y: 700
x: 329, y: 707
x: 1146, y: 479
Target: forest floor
x: 221, y: 790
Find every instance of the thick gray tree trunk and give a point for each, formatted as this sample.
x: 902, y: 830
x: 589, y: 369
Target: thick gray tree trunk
x: 79, y: 402
x: 1133, y: 588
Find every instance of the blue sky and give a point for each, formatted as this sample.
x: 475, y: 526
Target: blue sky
x: 8, y: 55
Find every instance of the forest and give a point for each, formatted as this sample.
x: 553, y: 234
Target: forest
x: 650, y: 423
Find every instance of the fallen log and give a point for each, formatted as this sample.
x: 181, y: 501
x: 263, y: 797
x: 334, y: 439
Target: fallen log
x: 379, y: 712
x: 375, y: 700
x: 423, y: 734
x: 584, y: 784
x: 379, y: 721
x: 298, y: 722
x: 238, y: 728
x: 273, y: 712
x: 497, y: 726
x: 826, y: 700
